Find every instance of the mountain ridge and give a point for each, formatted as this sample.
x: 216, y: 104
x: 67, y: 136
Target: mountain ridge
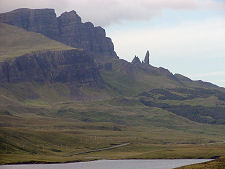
x: 67, y: 28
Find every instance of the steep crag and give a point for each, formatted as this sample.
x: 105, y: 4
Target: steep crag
x: 67, y: 28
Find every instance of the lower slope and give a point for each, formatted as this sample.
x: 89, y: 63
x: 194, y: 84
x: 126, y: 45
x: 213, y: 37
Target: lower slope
x: 54, y: 127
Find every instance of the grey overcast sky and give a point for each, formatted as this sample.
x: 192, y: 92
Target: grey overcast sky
x: 184, y: 36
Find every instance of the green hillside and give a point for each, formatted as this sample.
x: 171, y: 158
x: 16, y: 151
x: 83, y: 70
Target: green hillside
x: 42, y: 122
x: 215, y: 164
x: 159, y: 115
x: 131, y: 79
x: 15, y: 41
x: 52, y: 122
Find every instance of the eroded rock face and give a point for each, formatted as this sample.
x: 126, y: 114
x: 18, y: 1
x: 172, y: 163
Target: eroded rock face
x: 67, y: 28
x: 84, y: 35
x: 70, y: 66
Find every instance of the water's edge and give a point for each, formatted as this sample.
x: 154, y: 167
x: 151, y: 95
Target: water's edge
x: 90, y: 160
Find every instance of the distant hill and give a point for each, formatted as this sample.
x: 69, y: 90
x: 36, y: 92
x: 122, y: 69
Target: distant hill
x: 132, y: 78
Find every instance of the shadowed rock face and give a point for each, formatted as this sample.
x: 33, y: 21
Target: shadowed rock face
x: 52, y: 66
x: 77, y: 34
x: 67, y: 29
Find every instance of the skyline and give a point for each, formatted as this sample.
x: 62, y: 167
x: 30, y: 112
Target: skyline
x: 191, y: 48
x: 186, y: 37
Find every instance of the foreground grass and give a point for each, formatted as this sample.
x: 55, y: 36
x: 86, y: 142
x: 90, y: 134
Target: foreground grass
x: 215, y: 164
x: 130, y: 152
x: 48, y: 140
x: 54, y: 128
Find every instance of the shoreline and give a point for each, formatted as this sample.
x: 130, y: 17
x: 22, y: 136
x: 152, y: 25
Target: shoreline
x: 77, y: 161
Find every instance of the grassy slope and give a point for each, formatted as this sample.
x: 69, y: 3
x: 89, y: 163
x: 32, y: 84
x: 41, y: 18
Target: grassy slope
x: 200, y: 105
x: 57, y: 128
x: 15, y: 41
x: 130, y: 80
x: 45, y: 122
x: 215, y: 164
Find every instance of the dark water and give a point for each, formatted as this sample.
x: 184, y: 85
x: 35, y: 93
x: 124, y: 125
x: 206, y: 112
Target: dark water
x: 112, y: 164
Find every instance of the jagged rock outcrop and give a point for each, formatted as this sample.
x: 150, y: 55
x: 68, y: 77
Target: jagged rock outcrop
x: 136, y: 60
x: 72, y: 66
x: 67, y: 28
x: 77, y: 34
x: 146, y: 60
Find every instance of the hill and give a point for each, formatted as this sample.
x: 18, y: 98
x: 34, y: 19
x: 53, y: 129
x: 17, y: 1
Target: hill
x: 130, y: 79
x: 57, y: 102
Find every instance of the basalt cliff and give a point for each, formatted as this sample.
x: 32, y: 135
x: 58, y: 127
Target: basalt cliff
x: 69, y: 66
x: 67, y: 28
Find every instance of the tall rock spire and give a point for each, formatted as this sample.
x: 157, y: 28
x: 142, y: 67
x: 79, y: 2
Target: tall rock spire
x: 146, y: 60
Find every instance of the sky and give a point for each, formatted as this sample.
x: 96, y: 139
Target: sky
x: 184, y: 36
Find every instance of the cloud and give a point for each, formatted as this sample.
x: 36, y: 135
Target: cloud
x: 217, y: 73
x: 105, y: 12
x: 190, y: 39
x: 220, y: 83
x: 216, y: 77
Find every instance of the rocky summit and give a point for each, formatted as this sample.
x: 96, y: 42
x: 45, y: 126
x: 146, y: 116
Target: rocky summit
x: 67, y: 28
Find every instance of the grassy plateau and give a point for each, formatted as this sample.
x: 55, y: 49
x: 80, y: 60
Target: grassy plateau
x: 15, y: 42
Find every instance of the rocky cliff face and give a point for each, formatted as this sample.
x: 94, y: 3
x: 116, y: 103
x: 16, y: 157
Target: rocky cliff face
x: 67, y: 28
x: 77, y: 34
x: 70, y: 66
